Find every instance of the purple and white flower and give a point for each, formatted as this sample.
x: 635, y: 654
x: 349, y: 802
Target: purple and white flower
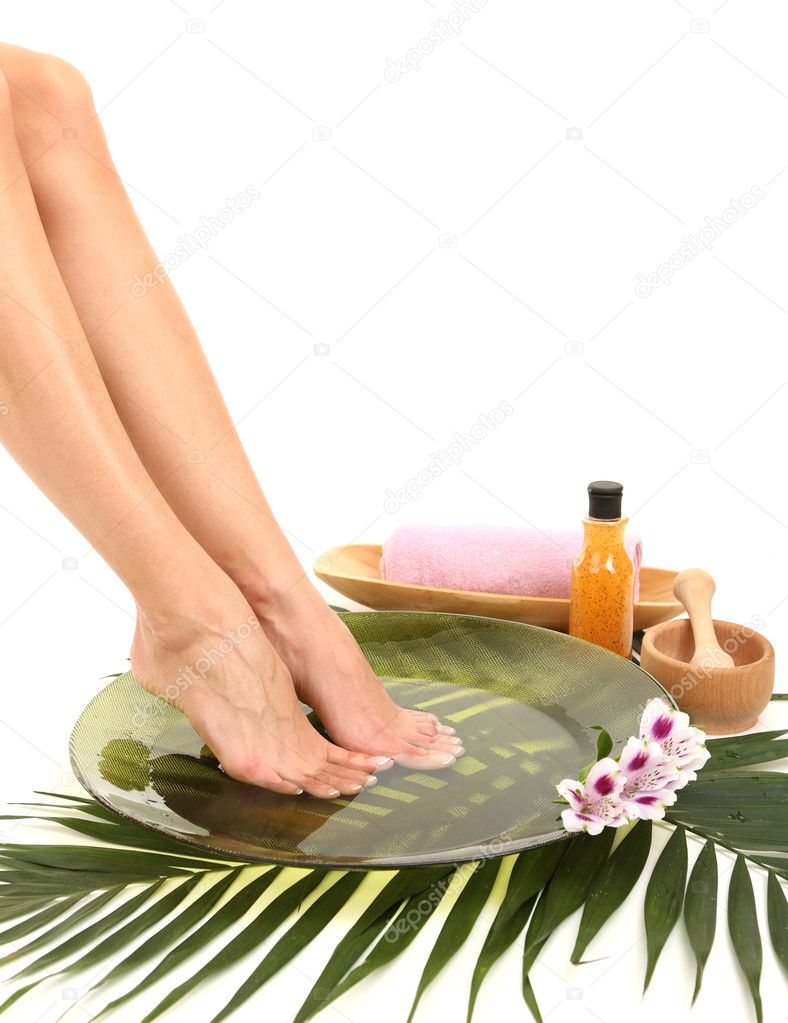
x: 650, y: 780
x: 683, y: 745
x: 595, y: 803
x: 666, y: 755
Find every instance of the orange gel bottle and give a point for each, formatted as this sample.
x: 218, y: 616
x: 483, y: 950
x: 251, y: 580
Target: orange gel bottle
x: 603, y: 574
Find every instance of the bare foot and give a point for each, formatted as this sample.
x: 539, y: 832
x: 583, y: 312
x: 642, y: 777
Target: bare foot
x: 219, y: 669
x: 333, y: 677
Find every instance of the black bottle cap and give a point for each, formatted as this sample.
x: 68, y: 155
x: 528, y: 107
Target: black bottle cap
x: 604, y: 499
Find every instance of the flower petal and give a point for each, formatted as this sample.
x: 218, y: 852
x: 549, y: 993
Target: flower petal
x: 573, y: 792
x: 604, y: 779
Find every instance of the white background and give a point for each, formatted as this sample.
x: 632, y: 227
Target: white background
x: 469, y: 234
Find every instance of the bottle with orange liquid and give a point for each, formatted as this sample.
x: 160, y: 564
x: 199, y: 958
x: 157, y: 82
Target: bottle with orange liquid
x: 603, y: 574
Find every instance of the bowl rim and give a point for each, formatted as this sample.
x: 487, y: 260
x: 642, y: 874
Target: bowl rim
x: 648, y: 642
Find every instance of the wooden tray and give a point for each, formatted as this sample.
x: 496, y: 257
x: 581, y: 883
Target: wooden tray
x: 354, y: 571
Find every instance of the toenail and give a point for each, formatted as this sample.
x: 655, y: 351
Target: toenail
x: 447, y: 729
x: 298, y: 792
x: 449, y: 761
x: 372, y: 780
x: 356, y: 788
x: 334, y: 792
x: 385, y: 762
x: 459, y: 751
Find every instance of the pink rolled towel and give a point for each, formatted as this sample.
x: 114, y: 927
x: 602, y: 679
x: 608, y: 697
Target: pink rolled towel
x: 488, y: 559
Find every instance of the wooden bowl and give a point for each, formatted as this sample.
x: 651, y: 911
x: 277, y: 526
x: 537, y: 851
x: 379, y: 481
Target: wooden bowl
x: 354, y: 570
x: 721, y: 701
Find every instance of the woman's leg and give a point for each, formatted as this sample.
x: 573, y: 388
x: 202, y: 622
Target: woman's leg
x: 59, y: 423
x: 169, y: 403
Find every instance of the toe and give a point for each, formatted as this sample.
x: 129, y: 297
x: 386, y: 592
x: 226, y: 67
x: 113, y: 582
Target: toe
x: 357, y: 761
x: 321, y: 789
x: 443, y: 744
x: 427, y: 761
x: 346, y: 780
x: 255, y: 773
x: 425, y: 724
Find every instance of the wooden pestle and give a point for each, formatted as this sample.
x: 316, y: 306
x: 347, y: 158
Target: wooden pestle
x: 695, y: 588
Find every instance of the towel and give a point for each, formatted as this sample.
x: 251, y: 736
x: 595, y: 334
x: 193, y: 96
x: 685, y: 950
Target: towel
x: 488, y: 559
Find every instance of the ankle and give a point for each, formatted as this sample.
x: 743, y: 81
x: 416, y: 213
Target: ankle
x: 203, y: 598
x: 270, y: 596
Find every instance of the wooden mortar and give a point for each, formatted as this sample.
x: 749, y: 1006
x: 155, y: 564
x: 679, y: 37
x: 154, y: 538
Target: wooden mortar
x: 721, y: 701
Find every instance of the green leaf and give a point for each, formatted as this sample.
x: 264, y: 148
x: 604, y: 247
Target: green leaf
x: 126, y: 935
x: 458, y: 925
x: 224, y: 917
x: 700, y: 909
x: 13, y: 906
x: 664, y: 897
x: 613, y: 884
x: 81, y: 938
x: 87, y: 909
x: 413, y: 915
x: 777, y: 910
x: 255, y: 932
x: 39, y: 919
x: 84, y: 937
x: 402, y: 886
x: 740, y: 810
x: 743, y: 929
x: 47, y: 884
x: 604, y: 744
x: 304, y: 930
x: 745, y: 750
x: 565, y: 893
x: 531, y: 872
x: 116, y: 941
x: 164, y: 938
x: 573, y: 878
x: 533, y: 945
x: 98, y: 858
x: 117, y: 832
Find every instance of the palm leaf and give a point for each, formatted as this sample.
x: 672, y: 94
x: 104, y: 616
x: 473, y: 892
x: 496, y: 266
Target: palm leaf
x: 86, y: 909
x: 777, y: 909
x: 533, y: 946
x: 664, y: 898
x: 458, y: 925
x: 225, y: 917
x: 305, y: 929
x: 81, y: 938
x: 255, y: 932
x: 59, y: 887
x: 376, y: 917
x: 746, y: 750
x: 565, y: 893
x: 530, y: 873
x: 743, y: 928
x: 180, y: 925
x: 613, y: 884
x: 403, y: 929
x: 700, y: 909
x: 39, y: 919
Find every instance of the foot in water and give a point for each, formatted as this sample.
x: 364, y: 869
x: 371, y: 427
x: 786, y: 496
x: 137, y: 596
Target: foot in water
x: 333, y: 677
x: 242, y: 702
